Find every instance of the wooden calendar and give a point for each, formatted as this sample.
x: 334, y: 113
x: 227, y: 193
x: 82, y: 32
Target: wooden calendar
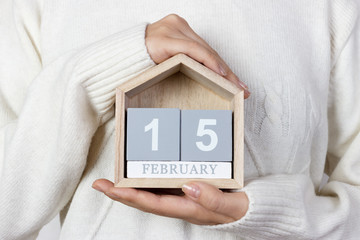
x: 178, y: 122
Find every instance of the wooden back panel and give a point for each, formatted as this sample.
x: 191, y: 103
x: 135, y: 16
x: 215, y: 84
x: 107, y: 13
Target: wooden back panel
x: 179, y: 82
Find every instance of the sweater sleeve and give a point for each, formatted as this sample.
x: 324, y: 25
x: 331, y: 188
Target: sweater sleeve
x: 288, y: 206
x: 45, y: 133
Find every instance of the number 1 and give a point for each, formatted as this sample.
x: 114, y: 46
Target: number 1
x: 154, y: 126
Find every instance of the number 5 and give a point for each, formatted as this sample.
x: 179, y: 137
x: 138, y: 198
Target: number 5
x: 201, y: 131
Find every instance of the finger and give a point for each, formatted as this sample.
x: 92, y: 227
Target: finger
x: 171, y: 206
x: 102, y: 185
x: 234, y: 205
x: 164, y: 205
x: 196, y: 51
x: 146, y: 201
x: 210, y: 59
x: 225, y: 70
x: 233, y: 78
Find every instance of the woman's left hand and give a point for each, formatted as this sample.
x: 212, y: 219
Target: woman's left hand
x: 202, y: 204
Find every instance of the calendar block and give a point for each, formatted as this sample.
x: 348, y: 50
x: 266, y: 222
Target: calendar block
x: 206, y: 135
x: 153, y: 134
x: 178, y: 169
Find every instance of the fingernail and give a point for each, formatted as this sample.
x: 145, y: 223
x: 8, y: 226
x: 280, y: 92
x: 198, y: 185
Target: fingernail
x: 243, y: 85
x: 222, y: 70
x: 191, y: 190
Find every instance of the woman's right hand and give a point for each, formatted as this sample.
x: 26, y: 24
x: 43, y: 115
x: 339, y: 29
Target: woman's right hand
x: 172, y: 35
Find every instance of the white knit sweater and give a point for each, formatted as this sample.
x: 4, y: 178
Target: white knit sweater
x: 60, y: 61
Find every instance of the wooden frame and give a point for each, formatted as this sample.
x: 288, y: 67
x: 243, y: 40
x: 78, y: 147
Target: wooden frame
x: 179, y: 82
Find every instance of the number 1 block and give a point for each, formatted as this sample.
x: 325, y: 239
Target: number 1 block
x: 206, y: 135
x: 153, y: 134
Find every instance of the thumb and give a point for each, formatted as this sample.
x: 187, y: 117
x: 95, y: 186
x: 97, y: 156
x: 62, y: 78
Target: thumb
x: 234, y: 204
x: 206, y: 195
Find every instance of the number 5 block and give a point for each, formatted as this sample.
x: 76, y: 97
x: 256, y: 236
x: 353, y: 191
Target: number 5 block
x: 206, y: 135
x: 153, y: 134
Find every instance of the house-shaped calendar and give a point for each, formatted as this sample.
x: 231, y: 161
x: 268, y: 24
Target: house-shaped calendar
x: 179, y: 89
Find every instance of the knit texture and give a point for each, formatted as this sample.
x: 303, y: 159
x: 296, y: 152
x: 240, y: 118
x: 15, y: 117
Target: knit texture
x: 61, y: 60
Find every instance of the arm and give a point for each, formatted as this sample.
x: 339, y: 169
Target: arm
x: 48, y: 121
x: 46, y: 144
x: 286, y: 206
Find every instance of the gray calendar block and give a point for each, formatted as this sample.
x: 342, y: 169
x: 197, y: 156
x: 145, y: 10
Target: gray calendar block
x: 153, y: 134
x: 206, y: 135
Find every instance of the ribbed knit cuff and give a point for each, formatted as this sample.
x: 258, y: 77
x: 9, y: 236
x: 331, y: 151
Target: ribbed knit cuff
x: 342, y: 20
x: 104, y: 65
x: 275, y: 210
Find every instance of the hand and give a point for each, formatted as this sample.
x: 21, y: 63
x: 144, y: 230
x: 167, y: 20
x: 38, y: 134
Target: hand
x: 202, y: 204
x: 172, y: 35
